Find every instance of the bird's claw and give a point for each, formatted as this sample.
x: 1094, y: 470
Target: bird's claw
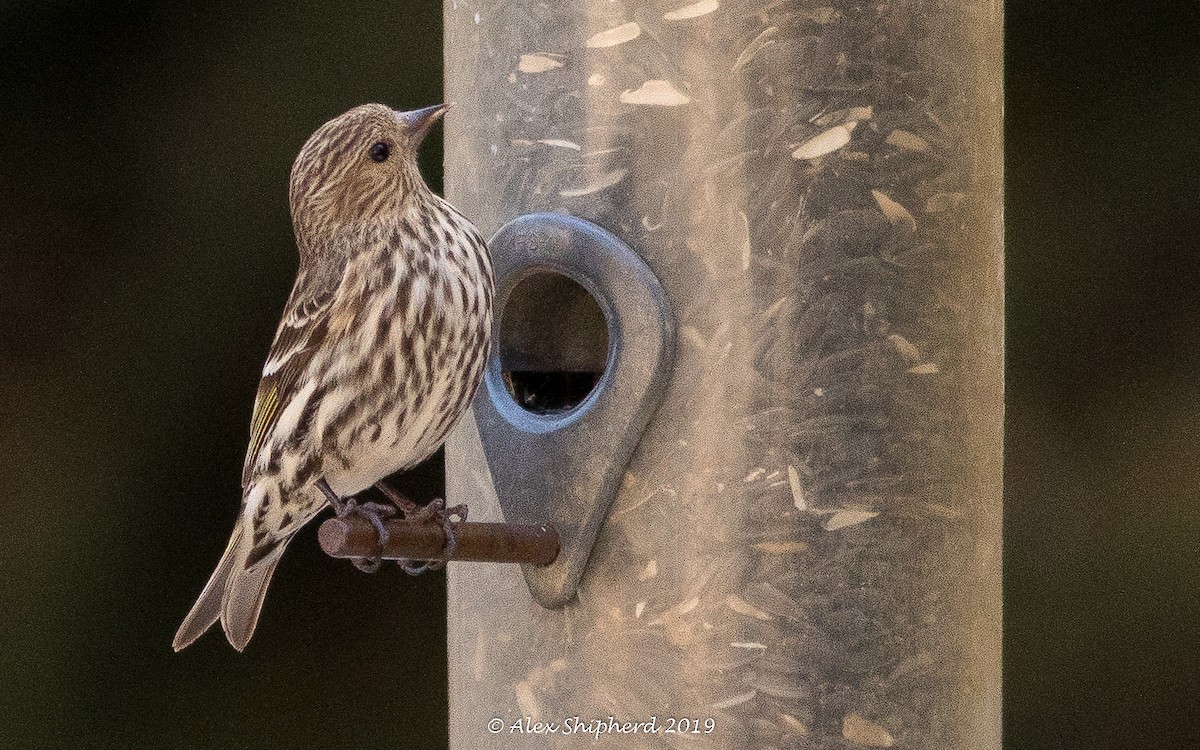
x: 437, y: 512
x: 434, y: 512
x: 373, y: 513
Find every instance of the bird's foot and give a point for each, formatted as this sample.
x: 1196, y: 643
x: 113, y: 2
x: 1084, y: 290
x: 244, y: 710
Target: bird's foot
x: 434, y: 512
x: 372, y: 513
x: 437, y: 512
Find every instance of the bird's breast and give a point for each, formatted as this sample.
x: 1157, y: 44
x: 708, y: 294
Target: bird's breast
x: 420, y: 347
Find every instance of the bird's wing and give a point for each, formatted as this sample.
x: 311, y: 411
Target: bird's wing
x: 303, y: 328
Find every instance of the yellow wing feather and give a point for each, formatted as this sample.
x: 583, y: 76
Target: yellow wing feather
x: 301, y: 333
x: 266, y: 408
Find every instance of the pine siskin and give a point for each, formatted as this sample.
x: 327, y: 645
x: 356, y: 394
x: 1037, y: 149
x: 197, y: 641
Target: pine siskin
x: 380, y: 349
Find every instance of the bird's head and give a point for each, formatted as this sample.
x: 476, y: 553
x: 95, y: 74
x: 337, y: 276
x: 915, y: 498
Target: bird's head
x: 359, y: 166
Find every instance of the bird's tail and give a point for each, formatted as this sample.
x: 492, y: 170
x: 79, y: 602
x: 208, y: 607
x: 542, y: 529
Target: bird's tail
x: 234, y: 593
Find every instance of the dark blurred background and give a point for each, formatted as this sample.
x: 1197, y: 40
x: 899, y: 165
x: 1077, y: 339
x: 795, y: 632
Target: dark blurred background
x: 1102, y: 482
x: 147, y: 253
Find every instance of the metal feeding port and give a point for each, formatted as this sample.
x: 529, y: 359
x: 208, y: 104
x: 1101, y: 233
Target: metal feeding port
x: 553, y: 342
x: 584, y: 345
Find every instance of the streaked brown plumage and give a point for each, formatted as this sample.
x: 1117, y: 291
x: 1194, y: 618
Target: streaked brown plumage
x: 380, y: 349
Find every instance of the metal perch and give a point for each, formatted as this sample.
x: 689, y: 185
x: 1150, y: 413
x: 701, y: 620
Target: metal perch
x: 413, y: 540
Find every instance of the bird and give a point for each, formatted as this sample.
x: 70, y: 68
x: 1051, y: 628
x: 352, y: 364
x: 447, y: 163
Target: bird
x: 380, y: 350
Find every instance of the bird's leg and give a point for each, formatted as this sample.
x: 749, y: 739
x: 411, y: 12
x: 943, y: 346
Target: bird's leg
x: 407, y: 507
x: 339, y: 505
x: 433, y: 512
x: 374, y: 513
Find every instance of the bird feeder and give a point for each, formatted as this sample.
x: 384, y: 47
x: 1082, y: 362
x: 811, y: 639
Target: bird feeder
x: 747, y: 371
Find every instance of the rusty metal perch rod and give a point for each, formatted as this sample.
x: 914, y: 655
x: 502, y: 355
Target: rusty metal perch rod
x: 414, y: 540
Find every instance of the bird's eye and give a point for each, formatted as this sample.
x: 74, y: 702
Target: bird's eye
x: 379, y: 152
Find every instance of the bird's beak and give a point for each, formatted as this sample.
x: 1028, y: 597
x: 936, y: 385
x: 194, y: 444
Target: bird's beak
x: 417, y: 122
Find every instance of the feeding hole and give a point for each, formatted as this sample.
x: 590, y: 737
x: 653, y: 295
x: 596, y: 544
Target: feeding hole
x: 553, y: 343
